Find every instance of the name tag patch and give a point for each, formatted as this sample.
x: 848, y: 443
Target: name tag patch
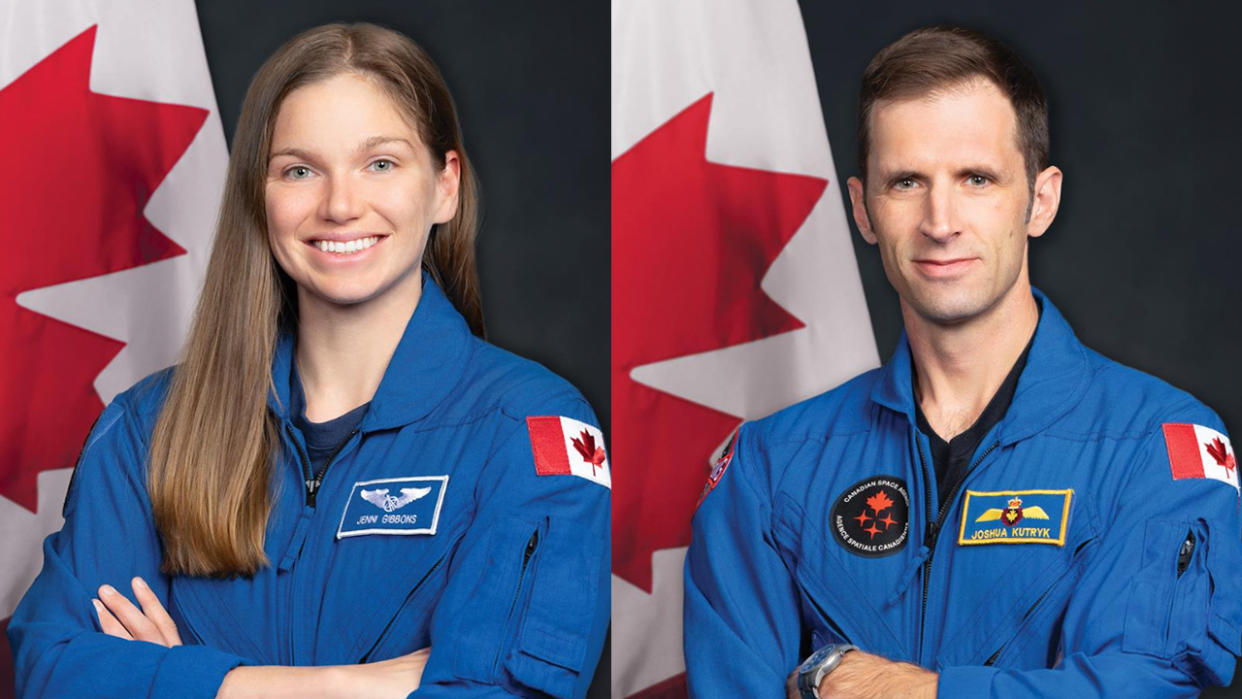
x: 1015, y: 517
x: 393, y: 506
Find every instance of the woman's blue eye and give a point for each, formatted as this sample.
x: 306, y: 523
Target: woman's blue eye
x: 298, y: 172
x: 382, y: 165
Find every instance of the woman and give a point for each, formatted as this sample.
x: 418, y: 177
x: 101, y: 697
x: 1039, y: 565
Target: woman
x: 340, y: 472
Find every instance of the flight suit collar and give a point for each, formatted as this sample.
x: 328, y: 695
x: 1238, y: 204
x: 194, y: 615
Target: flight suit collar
x: 1055, y: 376
x: 427, y: 364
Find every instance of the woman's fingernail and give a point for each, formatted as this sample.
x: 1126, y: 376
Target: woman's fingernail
x: 98, y: 606
x: 139, y: 582
x: 105, y: 590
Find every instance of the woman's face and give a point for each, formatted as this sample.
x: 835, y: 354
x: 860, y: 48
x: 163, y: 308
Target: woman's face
x: 352, y: 193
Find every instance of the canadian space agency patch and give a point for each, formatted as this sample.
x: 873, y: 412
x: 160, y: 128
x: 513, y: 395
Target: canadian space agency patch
x: 394, y: 506
x: 1015, y: 517
x: 871, y: 518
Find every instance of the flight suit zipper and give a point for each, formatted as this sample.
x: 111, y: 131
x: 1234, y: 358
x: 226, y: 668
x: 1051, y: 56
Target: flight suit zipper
x: 313, y: 481
x: 366, y: 657
x: 934, y: 526
x: 1030, y: 611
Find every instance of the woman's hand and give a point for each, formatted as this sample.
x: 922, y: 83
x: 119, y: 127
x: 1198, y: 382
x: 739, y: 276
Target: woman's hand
x: 119, y: 617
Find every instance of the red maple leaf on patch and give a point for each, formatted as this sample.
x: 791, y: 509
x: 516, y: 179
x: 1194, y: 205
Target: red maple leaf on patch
x: 590, y: 453
x: 879, y: 502
x: 691, y: 242
x: 78, y: 170
x: 1220, y: 452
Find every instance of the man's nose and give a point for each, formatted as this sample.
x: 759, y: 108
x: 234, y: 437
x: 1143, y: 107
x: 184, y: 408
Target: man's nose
x: 939, y: 218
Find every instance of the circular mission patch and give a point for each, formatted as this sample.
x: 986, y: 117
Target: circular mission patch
x: 871, y: 518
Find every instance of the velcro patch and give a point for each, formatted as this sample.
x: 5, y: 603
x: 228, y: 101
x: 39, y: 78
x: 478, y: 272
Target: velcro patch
x: 563, y: 446
x: 1015, y: 517
x: 872, y: 517
x: 718, y: 468
x: 394, y: 506
x: 1196, y: 451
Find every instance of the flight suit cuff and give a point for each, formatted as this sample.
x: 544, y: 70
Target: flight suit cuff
x: 192, y: 671
x: 965, y: 681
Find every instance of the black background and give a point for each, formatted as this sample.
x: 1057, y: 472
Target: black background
x: 1144, y: 105
x: 531, y: 84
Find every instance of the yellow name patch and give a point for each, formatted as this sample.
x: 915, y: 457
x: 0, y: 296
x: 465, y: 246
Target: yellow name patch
x: 1015, y: 517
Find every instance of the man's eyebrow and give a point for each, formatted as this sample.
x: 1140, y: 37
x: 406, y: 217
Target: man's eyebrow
x: 366, y: 145
x: 987, y: 171
x: 899, y: 175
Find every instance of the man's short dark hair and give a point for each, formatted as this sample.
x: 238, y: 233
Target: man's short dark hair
x: 935, y: 58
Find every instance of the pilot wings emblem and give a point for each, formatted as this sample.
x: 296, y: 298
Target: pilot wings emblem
x: 381, y: 499
x: 1011, y: 515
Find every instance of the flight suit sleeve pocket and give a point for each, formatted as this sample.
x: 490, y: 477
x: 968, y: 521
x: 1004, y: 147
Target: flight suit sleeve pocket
x: 486, y: 588
x: 1150, y: 603
x: 1184, y: 603
x: 552, y: 630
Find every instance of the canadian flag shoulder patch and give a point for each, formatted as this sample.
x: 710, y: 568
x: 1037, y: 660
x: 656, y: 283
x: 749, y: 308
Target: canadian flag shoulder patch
x: 1196, y: 451
x: 563, y: 446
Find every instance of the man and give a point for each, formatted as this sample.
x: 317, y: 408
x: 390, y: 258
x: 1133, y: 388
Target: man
x: 997, y: 511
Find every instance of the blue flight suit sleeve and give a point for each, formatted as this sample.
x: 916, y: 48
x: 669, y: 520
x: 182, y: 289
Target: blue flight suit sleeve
x: 108, y: 537
x: 742, y: 628
x: 1137, y: 625
x: 526, y: 606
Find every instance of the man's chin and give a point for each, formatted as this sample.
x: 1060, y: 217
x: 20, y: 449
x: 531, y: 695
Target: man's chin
x: 949, y: 308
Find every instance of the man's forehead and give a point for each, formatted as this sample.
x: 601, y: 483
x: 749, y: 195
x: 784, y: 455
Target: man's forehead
x: 971, y: 121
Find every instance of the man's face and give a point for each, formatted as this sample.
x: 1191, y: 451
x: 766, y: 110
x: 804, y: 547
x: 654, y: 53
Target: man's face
x: 946, y: 200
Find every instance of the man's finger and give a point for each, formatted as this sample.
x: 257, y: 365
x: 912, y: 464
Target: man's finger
x: 155, y: 612
x: 135, y: 622
x: 108, y: 623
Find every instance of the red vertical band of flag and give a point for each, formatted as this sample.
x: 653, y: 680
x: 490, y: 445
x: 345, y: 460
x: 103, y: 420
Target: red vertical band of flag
x: 1184, y: 455
x: 547, y: 442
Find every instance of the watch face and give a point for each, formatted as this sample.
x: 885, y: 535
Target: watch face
x: 816, y: 658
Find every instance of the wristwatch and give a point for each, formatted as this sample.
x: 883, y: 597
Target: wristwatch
x: 823, y: 661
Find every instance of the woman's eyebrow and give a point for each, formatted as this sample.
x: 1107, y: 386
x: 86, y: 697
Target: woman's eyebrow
x: 380, y: 140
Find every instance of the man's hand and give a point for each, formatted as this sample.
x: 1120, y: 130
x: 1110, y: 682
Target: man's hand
x: 119, y: 617
x: 865, y: 676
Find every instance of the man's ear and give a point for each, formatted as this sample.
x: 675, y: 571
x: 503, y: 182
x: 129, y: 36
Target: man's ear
x: 1046, y: 199
x: 859, y: 205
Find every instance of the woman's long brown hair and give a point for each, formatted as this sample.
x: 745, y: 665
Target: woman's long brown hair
x: 215, y: 441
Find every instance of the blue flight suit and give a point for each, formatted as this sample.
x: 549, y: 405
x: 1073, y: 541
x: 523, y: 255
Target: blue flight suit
x: 501, y: 571
x: 1120, y: 581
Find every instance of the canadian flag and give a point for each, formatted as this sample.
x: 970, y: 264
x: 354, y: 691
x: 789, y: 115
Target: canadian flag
x: 1196, y: 451
x: 734, y: 286
x: 569, y: 447
x: 114, y: 162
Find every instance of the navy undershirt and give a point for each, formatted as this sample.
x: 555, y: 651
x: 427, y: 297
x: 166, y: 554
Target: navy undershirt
x: 323, y: 439
x: 952, y: 459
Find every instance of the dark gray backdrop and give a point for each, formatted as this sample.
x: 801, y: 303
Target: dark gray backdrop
x: 531, y: 84
x: 1143, y: 257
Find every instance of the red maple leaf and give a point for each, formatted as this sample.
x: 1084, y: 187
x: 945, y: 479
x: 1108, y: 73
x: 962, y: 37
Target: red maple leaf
x: 1217, y: 449
x: 590, y: 453
x: 879, y: 502
x: 79, y: 168
x: 691, y: 241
